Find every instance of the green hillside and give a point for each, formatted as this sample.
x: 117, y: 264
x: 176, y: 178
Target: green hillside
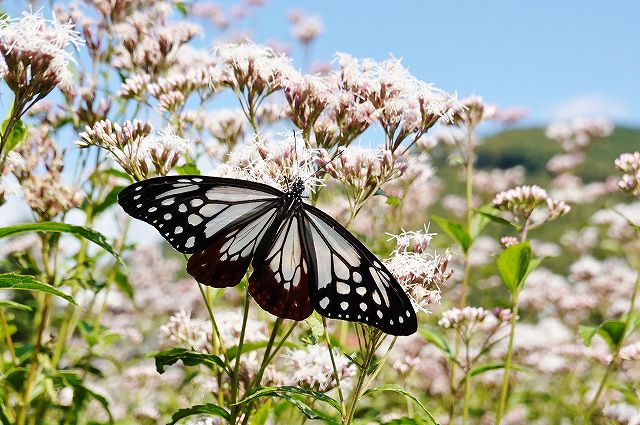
x: 529, y: 147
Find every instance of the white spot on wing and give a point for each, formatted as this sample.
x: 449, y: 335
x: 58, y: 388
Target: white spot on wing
x: 190, y: 242
x: 324, y: 302
x: 342, y: 288
x: 194, y: 219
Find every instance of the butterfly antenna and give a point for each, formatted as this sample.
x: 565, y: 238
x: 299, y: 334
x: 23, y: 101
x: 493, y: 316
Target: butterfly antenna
x: 295, y: 151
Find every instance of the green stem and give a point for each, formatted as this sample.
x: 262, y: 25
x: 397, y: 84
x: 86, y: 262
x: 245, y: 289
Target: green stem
x: 333, y: 364
x: 616, y: 354
x: 467, y: 393
x: 7, y: 336
x: 467, y: 382
x: 507, y: 364
x: 362, y: 374
x: 236, y: 369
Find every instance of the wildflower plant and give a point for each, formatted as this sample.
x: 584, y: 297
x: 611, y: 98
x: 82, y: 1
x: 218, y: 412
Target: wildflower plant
x: 100, y: 325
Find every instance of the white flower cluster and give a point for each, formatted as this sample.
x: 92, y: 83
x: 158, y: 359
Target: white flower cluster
x: 276, y: 162
x: 39, y: 41
x: 312, y: 368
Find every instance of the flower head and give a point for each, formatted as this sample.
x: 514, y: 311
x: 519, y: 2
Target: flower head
x: 629, y: 164
x: 127, y: 143
x: 306, y: 29
x: 277, y: 163
x: 421, y: 275
x: 312, y: 367
x: 34, y: 53
x: 575, y: 135
x: 522, y: 201
x: 165, y: 150
x: 465, y: 320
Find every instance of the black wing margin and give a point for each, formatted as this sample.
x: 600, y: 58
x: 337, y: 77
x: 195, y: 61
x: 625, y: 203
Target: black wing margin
x: 190, y: 211
x: 350, y: 282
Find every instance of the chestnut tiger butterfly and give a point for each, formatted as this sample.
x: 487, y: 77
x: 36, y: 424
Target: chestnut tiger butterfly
x: 302, y: 259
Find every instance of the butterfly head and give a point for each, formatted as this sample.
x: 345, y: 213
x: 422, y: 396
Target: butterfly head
x: 297, y: 188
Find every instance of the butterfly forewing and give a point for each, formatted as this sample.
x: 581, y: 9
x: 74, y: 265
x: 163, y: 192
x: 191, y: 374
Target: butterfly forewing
x: 280, y: 280
x: 191, y: 211
x: 351, y: 283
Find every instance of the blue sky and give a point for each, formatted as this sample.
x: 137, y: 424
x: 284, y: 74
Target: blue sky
x: 558, y: 58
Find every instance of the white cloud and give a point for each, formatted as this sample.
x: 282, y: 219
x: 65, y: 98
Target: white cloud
x: 590, y: 105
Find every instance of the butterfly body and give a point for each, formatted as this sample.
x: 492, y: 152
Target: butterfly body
x: 302, y: 259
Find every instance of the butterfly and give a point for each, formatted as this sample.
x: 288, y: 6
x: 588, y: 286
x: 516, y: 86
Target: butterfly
x: 302, y: 259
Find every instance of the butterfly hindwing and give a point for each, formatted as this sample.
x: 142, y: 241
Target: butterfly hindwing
x: 190, y: 211
x: 351, y: 283
x: 225, y: 260
x: 280, y: 280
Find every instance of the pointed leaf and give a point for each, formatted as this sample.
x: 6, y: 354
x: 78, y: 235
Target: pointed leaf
x: 188, y: 169
x: 188, y: 357
x: 434, y: 336
x: 206, y: 409
x: 455, y: 230
x: 309, y: 411
x: 13, y: 304
x: 50, y: 226
x: 480, y: 369
x: 478, y: 223
x: 261, y: 415
x: 397, y: 389
x: 612, y: 331
x: 513, y: 264
x: 279, y: 391
x: 493, y: 215
x: 29, y: 283
x: 18, y: 134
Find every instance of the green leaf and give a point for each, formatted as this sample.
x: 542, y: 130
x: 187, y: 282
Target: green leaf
x: 315, y: 324
x: 181, y: 8
x: 4, y: 419
x: 65, y: 378
x: 391, y: 200
x: 455, y: 230
x: 187, y: 169
x: 261, y: 415
x: 612, y: 331
x: 122, y: 282
x: 13, y: 304
x: 513, y: 265
x: 210, y: 409
x: 29, y: 283
x: 478, y: 223
x: 480, y: 369
x: 434, y: 336
x: 18, y: 134
x: 118, y: 173
x: 404, y: 421
x: 280, y: 391
x: 533, y: 264
x: 493, y: 215
x: 309, y: 411
x: 109, y: 200
x: 49, y: 226
x: 189, y: 358
x: 16, y: 377
x: 397, y: 389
